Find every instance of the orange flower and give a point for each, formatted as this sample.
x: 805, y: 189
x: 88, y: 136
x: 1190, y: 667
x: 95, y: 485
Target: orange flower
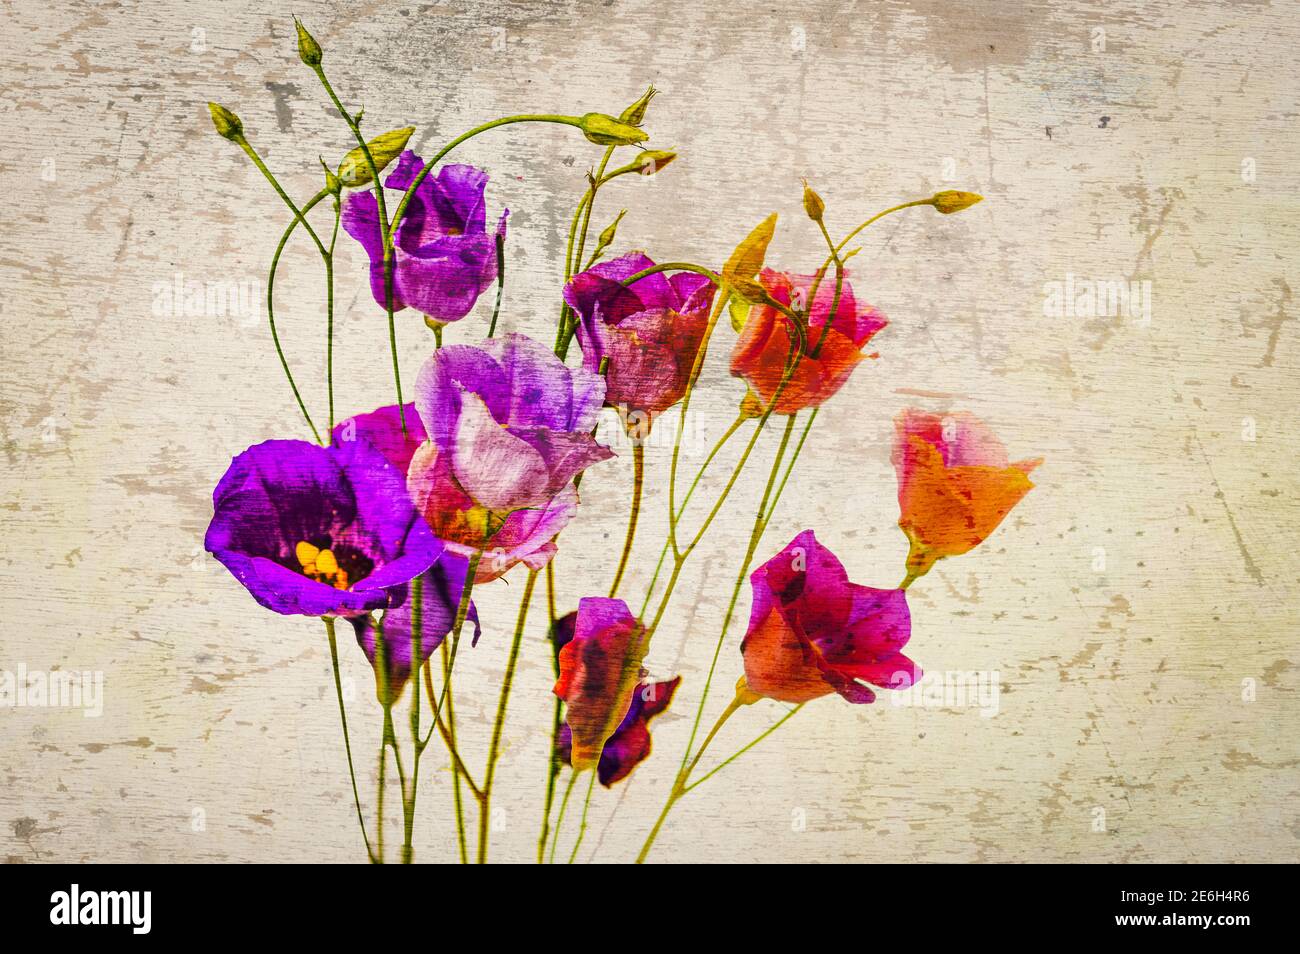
x: 764, y: 345
x: 954, y: 484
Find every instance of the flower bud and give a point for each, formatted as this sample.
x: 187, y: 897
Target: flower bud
x: 309, y: 50
x: 652, y: 160
x: 634, y: 115
x: 606, y: 238
x: 608, y: 131
x: 812, y: 203
x: 746, y: 261
x: 354, y: 171
x: 950, y: 201
x: 227, y: 123
x: 332, y: 184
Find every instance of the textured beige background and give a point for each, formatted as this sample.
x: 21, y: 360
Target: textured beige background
x: 1123, y: 688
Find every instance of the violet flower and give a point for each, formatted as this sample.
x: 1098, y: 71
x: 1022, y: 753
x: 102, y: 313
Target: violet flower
x: 509, y: 427
x: 650, y: 331
x: 443, y: 255
x: 318, y: 531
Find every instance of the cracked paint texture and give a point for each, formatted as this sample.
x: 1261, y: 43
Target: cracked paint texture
x: 1140, y: 605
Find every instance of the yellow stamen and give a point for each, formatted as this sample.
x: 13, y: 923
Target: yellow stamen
x: 306, y: 553
x: 326, y: 564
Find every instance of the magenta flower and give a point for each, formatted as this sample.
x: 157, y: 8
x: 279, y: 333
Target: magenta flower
x: 812, y: 632
x: 650, y: 330
x: 318, y: 531
x: 444, y: 257
x: 509, y: 427
x: 440, y: 593
x: 382, y: 430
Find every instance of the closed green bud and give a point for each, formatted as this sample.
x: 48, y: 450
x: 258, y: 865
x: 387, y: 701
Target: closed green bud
x: 812, y: 203
x: 309, y: 50
x: 634, y: 115
x: 606, y: 238
x: 950, y: 200
x: 608, y: 131
x: 227, y: 123
x: 354, y: 171
x: 332, y: 183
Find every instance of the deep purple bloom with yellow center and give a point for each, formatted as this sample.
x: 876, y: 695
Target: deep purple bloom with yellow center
x: 443, y: 255
x: 629, y: 746
x: 440, y: 589
x: 812, y: 632
x: 509, y: 427
x: 319, y: 531
x: 650, y: 330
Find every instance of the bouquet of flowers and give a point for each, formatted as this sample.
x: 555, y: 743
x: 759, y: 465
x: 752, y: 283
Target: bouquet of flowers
x: 391, y: 520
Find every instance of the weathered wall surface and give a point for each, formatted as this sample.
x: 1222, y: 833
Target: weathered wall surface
x: 1139, y: 606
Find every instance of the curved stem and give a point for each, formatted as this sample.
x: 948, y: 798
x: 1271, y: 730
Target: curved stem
x: 441, y: 154
x: 385, y: 234
x: 638, y: 479
x: 461, y: 612
x: 494, y: 750
x: 329, y: 312
x: 559, y: 821
x: 582, y: 826
x: 731, y: 758
x: 754, y: 536
x: 347, y: 741
x: 690, y: 492
x: 270, y: 306
x: 683, y: 776
x: 501, y: 285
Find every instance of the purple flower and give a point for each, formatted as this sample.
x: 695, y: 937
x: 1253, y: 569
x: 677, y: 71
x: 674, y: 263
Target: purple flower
x: 812, y: 632
x: 509, y: 426
x: 629, y: 746
x: 443, y: 255
x: 318, y: 531
x: 440, y: 592
x: 650, y: 331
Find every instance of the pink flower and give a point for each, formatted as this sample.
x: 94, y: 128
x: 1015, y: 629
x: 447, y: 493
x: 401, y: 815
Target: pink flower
x: 812, y: 632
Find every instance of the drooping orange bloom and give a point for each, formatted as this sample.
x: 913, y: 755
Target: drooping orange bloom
x: 955, y: 484
x: 763, y: 347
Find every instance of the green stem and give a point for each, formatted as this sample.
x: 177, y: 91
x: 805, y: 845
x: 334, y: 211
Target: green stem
x: 461, y: 612
x: 572, y: 261
x: 731, y: 758
x: 582, y: 826
x: 638, y: 479
x: 347, y: 740
x: 329, y: 312
x: 683, y: 776
x: 553, y: 773
x: 559, y: 819
x: 501, y: 285
x: 385, y: 233
x: 418, y: 742
x: 494, y: 750
x: 299, y: 214
x: 270, y: 308
x: 754, y: 536
x: 690, y: 492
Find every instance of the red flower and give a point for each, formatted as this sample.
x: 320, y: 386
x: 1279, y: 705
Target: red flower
x: 764, y: 344
x: 600, y: 669
x: 812, y: 632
